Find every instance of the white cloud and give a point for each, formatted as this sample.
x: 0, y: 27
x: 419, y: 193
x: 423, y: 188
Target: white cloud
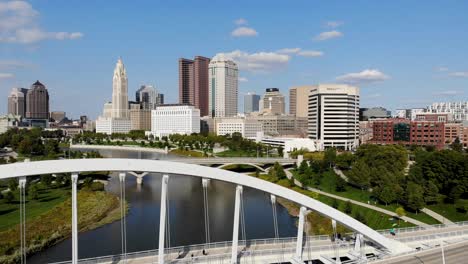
x: 240, y: 22
x: 258, y: 62
x: 14, y: 64
x: 243, y: 79
x: 442, y: 69
x: 328, y: 35
x: 459, y: 74
x: 334, y: 24
x: 448, y: 93
x: 365, y: 76
x: 19, y: 24
x: 310, y: 53
x: 289, y: 50
x: 244, y: 32
x: 6, y: 75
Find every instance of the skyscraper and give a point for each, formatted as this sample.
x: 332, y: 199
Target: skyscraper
x: 223, y: 92
x: 334, y: 116
x: 193, y: 83
x: 251, y: 102
x: 273, y: 101
x: 299, y: 100
x: 148, y: 97
x: 17, y: 102
x: 116, y: 114
x: 37, y: 102
x: 120, y: 92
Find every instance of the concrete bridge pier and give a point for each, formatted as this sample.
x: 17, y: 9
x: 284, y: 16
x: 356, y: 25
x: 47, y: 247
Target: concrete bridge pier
x: 139, y: 176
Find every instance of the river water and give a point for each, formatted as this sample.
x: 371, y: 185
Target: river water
x: 185, y: 212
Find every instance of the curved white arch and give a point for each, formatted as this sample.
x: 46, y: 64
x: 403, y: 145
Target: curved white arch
x: 123, y: 165
x: 243, y: 163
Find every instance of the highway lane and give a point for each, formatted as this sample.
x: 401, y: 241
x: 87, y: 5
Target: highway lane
x: 454, y: 254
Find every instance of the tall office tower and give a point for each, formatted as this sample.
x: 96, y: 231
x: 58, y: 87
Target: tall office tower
x: 223, y: 75
x: 37, y: 102
x: 193, y: 83
x: 147, y: 96
x: 334, y: 116
x: 120, y: 92
x: 299, y: 100
x: 273, y: 101
x: 251, y: 102
x: 17, y: 102
x: 115, y: 116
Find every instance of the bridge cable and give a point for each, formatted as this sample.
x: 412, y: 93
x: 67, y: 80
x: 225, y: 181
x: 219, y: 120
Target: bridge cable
x: 22, y: 196
x: 168, y: 222
x: 244, y: 236
x: 207, y: 214
x: 336, y: 248
x: 123, y: 222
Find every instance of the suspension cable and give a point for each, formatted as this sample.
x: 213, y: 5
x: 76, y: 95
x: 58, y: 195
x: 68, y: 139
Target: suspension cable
x: 335, y: 247
x: 123, y: 222
x: 22, y: 195
x: 244, y: 236
x: 275, y: 220
x: 207, y: 212
x: 168, y: 222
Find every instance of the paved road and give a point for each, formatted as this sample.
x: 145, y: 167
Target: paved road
x: 454, y: 254
x: 436, y: 216
x: 378, y: 209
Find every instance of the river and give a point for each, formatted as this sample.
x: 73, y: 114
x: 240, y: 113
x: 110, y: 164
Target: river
x: 185, y: 213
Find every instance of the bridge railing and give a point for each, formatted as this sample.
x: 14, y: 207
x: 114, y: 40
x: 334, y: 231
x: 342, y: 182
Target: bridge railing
x: 421, y: 228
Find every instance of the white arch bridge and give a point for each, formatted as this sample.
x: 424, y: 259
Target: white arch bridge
x: 23, y: 170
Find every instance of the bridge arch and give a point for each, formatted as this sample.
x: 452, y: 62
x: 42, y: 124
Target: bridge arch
x: 249, y: 164
x: 160, y: 166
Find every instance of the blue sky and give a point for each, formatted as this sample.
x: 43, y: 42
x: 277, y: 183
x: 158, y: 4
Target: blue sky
x: 400, y: 53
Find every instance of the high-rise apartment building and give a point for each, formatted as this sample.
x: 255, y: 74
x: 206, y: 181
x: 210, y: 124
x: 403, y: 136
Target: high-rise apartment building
x: 120, y: 92
x: 251, y: 101
x: 366, y: 114
x: 193, y: 83
x: 223, y: 92
x: 148, y: 97
x: 273, y: 102
x: 458, y: 110
x: 17, y: 102
x: 334, y: 116
x: 37, y: 102
x: 299, y: 100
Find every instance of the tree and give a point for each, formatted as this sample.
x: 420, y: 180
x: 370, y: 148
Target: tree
x: 457, y: 145
x: 303, y: 167
x: 9, y: 197
x: 12, y: 184
x: 386, y: 192
x: 400, y: 211
x: 47, y: 179
x: 344, y: 160
x: 340, y: 184
x: 330, y: 156
x: 280, y: 151
x: 415, y: 193
x: 360, y: 217
x: 348, y: 207
x: 360, y: 174
x: 33, y: 192
x: 431, y: 195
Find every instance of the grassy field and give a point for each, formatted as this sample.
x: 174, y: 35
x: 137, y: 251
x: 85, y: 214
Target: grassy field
x: 321, y: 225
x: 51, y: 226
x: 187, y: 153
x: 449, y: 211
x: 328, y: 184
x: 48, y: 198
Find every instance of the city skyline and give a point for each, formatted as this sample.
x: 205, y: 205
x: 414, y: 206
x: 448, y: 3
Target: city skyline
x: 73, y: 59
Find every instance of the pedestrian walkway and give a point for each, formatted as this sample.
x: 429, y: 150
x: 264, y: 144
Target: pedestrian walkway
x: 436, y: 216
x: 373, y: 207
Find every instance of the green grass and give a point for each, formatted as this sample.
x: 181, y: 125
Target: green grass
x: 48, y: 198
x: 450, y: 211
x: 188, y: 153
x: 328, y: 183
x: 373, y: 219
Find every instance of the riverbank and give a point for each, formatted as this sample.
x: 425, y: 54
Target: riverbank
x: 124, y: 148
x: 97, y: 208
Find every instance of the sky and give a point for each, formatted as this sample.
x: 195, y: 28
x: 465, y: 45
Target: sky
x: 401, y: 54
